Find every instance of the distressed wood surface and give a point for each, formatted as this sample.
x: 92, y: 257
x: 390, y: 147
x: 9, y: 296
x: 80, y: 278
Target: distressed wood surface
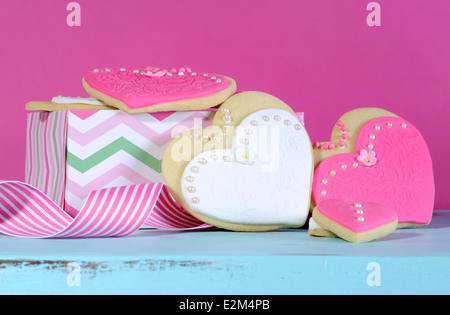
x: 220, y: 262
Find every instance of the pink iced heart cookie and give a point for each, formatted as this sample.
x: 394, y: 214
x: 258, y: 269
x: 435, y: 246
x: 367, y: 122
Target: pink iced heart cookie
x: 355, y: 222
x: 152, y: 89
x: 391, y: 165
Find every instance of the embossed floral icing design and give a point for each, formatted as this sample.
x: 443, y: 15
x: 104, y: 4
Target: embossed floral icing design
x: 367, y: 158
x: 153, y: 85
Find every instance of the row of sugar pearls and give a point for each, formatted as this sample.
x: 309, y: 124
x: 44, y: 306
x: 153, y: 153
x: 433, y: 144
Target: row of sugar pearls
x: 143, y: 72
x: 213, y: 77
x: 287, y: 122
x: 330, y: 145
x: 227, y: 119
x: 153, y: 69
x: 216, y: 138
x: 195, y: 169
x: 254, y: 123
x: 181, y: 71
x: 191, y: 179
x: 344, y: 135
x: 106, y: 70
x: 325, y: 146
x: 333, y: 173
x: 359, y: 211
x: 120, y: 69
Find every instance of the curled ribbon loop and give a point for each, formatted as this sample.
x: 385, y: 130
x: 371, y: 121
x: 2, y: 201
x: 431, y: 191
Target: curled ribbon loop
x: 110, y: 212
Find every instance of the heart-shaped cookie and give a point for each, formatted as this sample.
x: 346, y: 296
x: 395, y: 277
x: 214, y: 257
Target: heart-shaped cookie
x: 151, y: 89
x: 390, y: 165
x: 354, y: 221
x: 251, y: 171
x: 66, y: 103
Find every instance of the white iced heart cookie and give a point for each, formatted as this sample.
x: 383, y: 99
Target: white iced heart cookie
x: 254, y: 176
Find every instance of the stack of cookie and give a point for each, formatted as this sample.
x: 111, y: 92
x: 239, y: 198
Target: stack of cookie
x: 380, y: 177
x: 254, y: 167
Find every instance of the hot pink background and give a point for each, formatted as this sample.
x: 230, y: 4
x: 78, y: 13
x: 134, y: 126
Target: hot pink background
x: 318, y: 56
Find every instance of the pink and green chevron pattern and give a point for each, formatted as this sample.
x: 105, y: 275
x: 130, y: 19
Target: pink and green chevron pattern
x: 114, y: 148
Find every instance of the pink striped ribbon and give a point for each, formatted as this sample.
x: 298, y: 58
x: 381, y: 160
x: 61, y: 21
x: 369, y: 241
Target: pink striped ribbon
x: 110, y: 212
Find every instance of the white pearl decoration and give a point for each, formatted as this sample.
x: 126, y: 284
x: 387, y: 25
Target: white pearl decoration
x: 213, y: 78
x: 181, y: 73
x: 202, y: 161
x: 194, y: 169
x: 344, y: 166
x: 277, y: 117
x: 189, y: 179
x: 355, y: 164
x: 108, y: 70
x: 372, y: 137
x: 265, y: 118
x: 333, y: 173
x: 218, y: 81
x: 227, y: 119
x: 135, y: 71
x: 195, y: 200
x: 358, y: 205
x: 193, y: 73
x: 359, y: 211
x: 191, y: 189
x: 370, y: 146
x: 254, y: 123
x: 123, y: 69
x: 377, y: 128
x: 404, y: 125
x: 297, y: 127
x: 226, y: 158
x: 324, y: 181
x: 95, y: 70
x: 245, y: 141
x: 287, y: 122
x: 205, y: 74
x: 389, y: 125
x: 169, y: 74
x: 360, y: 219
x: 323, y: 192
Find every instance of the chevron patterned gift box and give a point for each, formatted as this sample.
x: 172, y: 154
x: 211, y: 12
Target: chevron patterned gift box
x: 73, y: 152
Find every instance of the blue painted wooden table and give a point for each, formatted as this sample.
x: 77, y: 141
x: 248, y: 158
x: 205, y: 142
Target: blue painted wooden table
x: 408, y: 261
